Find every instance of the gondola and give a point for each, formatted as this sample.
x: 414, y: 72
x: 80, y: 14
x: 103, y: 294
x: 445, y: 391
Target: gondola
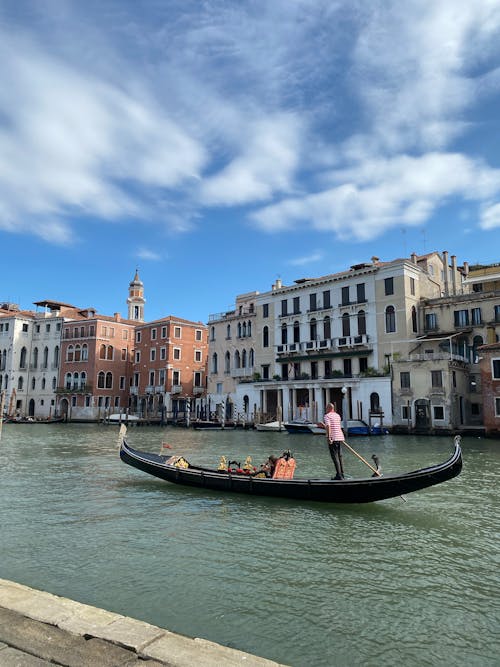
x: 364, y: 490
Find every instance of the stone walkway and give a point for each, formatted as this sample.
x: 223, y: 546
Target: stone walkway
x: 39, y: 629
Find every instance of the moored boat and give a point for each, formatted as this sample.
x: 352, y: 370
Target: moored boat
x: 178, y: 470
x: 304, y: 426
x: 271, y: 426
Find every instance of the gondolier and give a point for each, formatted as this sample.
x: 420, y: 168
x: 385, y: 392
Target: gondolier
x: 335, y: 438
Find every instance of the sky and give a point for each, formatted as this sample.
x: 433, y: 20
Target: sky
x: 217, y: 145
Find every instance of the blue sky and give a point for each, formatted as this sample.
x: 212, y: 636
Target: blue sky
x: 218, y: 145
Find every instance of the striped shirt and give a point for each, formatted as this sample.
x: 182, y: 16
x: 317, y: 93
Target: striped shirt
x: 333, y: 426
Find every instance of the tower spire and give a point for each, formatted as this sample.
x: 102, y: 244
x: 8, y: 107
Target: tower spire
x: 136, y: 300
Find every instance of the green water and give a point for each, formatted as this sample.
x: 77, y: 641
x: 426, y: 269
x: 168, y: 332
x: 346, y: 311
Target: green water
x: 390, y: 583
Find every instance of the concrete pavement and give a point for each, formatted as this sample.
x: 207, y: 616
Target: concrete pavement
x: 38, y: 629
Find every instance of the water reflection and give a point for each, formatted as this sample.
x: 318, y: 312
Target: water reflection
x: 305, y: 584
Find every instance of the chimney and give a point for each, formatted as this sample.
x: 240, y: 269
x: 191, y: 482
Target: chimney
x: 277, y: 284
x: 118, y: 317
x: 446, y: 273
x: 466, y: 269
x: 375, y: 259
x: 414, y: 257
x: 454, y: 273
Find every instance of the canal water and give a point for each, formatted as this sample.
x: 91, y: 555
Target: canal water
x: 411, y: 583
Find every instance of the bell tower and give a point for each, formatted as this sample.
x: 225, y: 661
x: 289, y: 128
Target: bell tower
x: 136, y: 300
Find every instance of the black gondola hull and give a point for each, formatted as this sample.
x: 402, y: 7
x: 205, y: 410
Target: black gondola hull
x: 364, y: 490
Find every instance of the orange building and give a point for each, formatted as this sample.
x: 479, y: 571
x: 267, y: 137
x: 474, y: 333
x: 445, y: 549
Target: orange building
x: 170, y: 368
x: 96, y: 366
x: 489, y: 363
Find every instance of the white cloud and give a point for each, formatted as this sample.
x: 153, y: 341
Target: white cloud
x: 148, y: 255
x: 490, y: 217
x: 306, y: 259
x: 381, y: 194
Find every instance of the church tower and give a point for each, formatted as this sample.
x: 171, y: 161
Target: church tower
x: 136, y: 299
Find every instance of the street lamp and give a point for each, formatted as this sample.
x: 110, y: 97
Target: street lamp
x: 344, y: 409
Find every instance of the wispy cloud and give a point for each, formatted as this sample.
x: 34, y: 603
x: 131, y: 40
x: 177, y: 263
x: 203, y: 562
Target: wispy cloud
x: 313, y: 258
x: 148, y: 255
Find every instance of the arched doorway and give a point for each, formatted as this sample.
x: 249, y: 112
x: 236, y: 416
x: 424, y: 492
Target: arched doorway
x: 422, y: 414
x: 31, y: 408
x: 64, y: 408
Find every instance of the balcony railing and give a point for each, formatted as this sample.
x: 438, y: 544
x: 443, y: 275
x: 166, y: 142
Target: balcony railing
x: 86, y: 389
x: 176, y: 389
x: 326, y: 344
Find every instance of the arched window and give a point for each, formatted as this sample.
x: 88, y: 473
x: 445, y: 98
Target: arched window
x: 4, y: 360
x: 83, y: 380
x: 100, y: 380
x: 251, y: 358
x: 54, y: 383
x: 244, y: 329
x: 78, y: 353
x: 33, y: 383
x: 284, y: 334
x: 70, y: 353
x: 35, y: 358
x: 239, y: 329
x: 6, y: 382
x: 249, y: 329
x: 361, y: 323
x: 214, y: 362
x: 109, y: 352
x: 228, y: 331
x: 102, y: 352
x: 227, y: 363
x: 374, y: 402
x: 20, y: 383
x: 22, y: 360
x: 476, y: 342
x: 265, y: 337
x: 76, y: 378
x: 56, y: 356
x: 43, y: 383
x: 313, y: 329
x: 109, y: 380
x: 244, y: 359
x: 414, y: 325
x: 85, y: 352
x: 327, y: 327
x: 67, y: 381
x: 296, y: 332
x: 346, y: 325
x: 45, y: 357
x: 237, y: 359
x: 390, y: 319
x: 212, y: 333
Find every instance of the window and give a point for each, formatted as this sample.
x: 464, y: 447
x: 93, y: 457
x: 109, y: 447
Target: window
x: 346, y: 325
x: 152, y: 354
x: 197, y: 356
x: 176, y: 377
x: 495, y: 369
x: 22, y: 361
x: 327, y: 328
x: 137, y: 356
x: 177, y: 353
x: 412, y: 286
x: 153, y: 334
x: 296, y: 332
x: 25, y: 328
x: 314, y: 370
x: 312, y: 302
x: 137, y: 336
x: 348, y: 367
x: 389, y: 286
x: 436, y: 378
x: 497, y: 407
x: 390, y: 319
x: 100, y: 380
x: 163, y: 353
x: 361, y: 323
x: 360, y: 293
x: 227, y: 363
x: 177, y: 332
x: 122, y: 382
x: 197, y: 379
x: 284, y: 307
x: 198, y: 335
x: 497, y: 313
x: 124, y: 354
x: 404, y: 380
x: 477, y: 287
x: 326, y: 299
x: 476, y: 316
x: 345, y: 296
x: 265, y: 337
x: 164, y: 332
x: 438, y: 411
x: 109, y: 380
x: 313, y: 329
x: 461, y: 318
x: 406, y: 412
x: 162, y: 377
x: 363, y: 364
x: 228, y: 332
x: 431, y: 322
x: 265, y: 372
x: 296, y: 305
x: 214, y: 362
x: 151, y: 378
x: 265, y: 310
x: 284, y: 334
x: 414, y: 326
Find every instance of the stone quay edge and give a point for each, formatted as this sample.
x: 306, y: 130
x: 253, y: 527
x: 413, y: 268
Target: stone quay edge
x: 38, y: 629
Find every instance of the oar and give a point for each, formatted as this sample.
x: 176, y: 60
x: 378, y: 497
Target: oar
x: 379, y: 474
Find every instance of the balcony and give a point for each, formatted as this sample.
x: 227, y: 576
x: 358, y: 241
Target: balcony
x: 197, y: 391
x: 176, y: 389
x: 242, y: 372
x: 86, y: 389
x: 133, y: 391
